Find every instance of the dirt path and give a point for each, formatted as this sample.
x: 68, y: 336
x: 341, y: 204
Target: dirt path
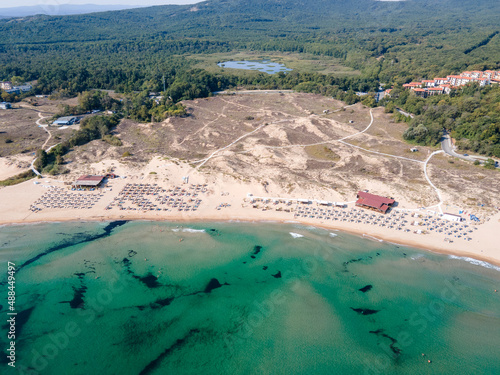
x: 341, y: 140
x: 204, y: 161
x: 46, y: 141
x: 189, y: 136
x: 430, y: 182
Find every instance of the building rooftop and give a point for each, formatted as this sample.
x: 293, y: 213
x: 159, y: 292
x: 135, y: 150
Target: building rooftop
x: 66, y: 118
x: 374, y: 201
x: 89, y: 180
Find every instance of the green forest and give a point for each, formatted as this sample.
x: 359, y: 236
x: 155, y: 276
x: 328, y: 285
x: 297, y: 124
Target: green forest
x: 471, y: 114
x: 139, y: 50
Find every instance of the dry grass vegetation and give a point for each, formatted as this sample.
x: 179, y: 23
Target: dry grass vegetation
x: 465, y: 182
x: 301, y: 62
x: 286, y: 150
x: 19, y: 132
x: 321, y: 152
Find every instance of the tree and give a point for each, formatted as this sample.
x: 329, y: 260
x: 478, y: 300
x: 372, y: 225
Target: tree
x: 490, y: 164
x: 418, y: 134
x: 90, y: 100
x: 389, y: 108
x: 16, y: 80
x: 6, y: 97
x: 41, y: 159
x: 369, y: 101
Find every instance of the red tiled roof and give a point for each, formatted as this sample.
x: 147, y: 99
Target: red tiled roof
x: 374, y: 201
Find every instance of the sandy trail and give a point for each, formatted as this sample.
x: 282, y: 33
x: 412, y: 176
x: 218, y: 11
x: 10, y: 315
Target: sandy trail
x: 32, y: 167
x: 341, y: 140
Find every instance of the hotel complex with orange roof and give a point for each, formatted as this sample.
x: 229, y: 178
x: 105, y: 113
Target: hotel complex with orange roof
x: 428, y: 87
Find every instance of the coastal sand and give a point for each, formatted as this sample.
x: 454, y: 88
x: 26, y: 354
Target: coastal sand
x: 15, y: 202
x: 10, y: 167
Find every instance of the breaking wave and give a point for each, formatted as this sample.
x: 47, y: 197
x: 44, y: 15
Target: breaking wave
x: 475, y: 262
x: 188, y: 230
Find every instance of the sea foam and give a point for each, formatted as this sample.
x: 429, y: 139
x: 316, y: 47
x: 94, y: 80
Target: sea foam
x: 417, y: 256
x: 296, y: 235
x: 475, y: 262
x: 191, y: 230
x: 188, y: 230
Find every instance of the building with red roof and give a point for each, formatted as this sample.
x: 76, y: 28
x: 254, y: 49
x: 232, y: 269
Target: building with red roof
x: 89, y: 181
x: 420, y: 92
x: 435, y: 90
x: 374, y: 202
x: 433, y: 87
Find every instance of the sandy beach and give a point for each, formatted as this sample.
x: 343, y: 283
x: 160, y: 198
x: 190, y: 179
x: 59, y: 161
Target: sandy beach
x: 157, y: 192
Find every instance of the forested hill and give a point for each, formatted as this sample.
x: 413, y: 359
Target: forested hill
x: 256, y: 17
x: 388, y: 41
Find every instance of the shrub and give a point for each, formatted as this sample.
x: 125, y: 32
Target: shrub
x: 112, y: 140
x: 490, y: 164
x: 18, y: 178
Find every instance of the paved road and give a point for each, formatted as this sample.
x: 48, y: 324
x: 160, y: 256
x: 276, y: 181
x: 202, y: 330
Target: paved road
x: 447, y: 147
x: 405, y: 113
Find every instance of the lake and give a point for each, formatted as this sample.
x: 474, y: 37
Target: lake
x: 263, y: 66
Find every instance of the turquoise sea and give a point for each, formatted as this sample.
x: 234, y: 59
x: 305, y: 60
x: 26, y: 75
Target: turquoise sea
x: 233, y: 298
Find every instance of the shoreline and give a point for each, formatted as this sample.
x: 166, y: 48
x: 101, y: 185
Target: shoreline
x: 215, y: 198
x: 359, y: 233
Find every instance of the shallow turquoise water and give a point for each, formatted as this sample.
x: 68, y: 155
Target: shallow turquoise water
x: 230, y: 298
x: 264, y: 66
